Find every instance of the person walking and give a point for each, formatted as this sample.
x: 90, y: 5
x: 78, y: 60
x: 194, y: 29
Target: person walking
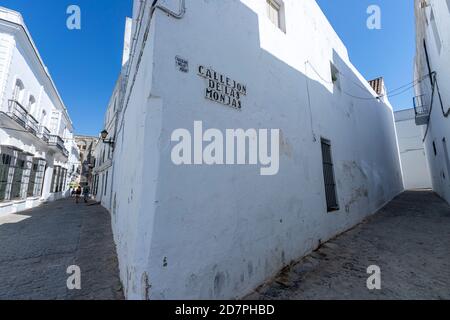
x: 86, y: 192
x: 77, y: 194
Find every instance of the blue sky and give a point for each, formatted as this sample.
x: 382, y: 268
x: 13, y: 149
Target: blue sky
x: 85, y: 63
x: 388, y: 52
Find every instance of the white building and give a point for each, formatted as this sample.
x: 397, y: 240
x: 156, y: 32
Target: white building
x: 103, y: 154
x: 86, y: 145
x: 432, y: 101
x: 36, y: 142
x: 104, y: 150
x: 73, y: 164
x: 416, y: 174
x: 219, y: 231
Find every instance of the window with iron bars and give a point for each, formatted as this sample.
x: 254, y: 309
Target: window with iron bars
x: 55, y: 179
x: 328, y: 174
x: 5, y: 165
x: 36, y: 178
x: 18, y: 181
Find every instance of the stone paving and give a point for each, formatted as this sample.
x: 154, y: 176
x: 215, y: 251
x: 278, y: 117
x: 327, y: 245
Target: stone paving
x: 37, y: 246
x: 409, y: 240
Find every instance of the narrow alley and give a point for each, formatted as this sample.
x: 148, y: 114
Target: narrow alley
x: 408, y: 239
x: 37, y: 246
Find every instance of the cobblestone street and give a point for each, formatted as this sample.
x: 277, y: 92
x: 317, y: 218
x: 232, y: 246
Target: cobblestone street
x: 37, y: 246
x: 408, y: 240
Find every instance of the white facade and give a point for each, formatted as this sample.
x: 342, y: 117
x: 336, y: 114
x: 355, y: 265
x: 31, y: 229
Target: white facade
x: 104, y: 150
x: 416, y: 174
x: 86, y: 145
x: 432, y: 67
x: 73, y: 164
x: 103, y: 154
x: 36, y: 141
x: 212, y: 232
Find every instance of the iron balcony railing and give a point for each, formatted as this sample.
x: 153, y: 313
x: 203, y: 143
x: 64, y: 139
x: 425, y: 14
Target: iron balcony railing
x: 29, y: 123
x: 22, y: 117
x: 32, y: 125
x: 65, y: 152
x: 44, y: 134
x: 18, y: 113
x: 420, y: 105
x: 58, y: 142
x: 422, y: 109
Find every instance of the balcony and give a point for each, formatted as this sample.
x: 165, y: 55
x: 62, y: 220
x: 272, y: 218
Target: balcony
x: 44, y: 134
x: 57, y: 144
x: 23, y: 123
x: 422, y: 110
x: 56, y: 141
x: 22, y: 117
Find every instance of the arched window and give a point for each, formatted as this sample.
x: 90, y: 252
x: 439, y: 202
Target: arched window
x: 31, y: 104
x: 43, y: 117
x: 18, y: 91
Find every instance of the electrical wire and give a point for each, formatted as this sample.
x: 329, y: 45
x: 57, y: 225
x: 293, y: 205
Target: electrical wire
x: 433, y: 90
x: 393, y: 93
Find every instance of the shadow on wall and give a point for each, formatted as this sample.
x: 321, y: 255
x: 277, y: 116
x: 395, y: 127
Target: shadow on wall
x: 254, y: 225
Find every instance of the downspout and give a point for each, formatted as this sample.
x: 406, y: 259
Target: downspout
x: 434, y: 86
x: 177, y: 15
x: 153, y: 7
x: 428, y: 62
x: 433, y: 75
x: 444, y: 113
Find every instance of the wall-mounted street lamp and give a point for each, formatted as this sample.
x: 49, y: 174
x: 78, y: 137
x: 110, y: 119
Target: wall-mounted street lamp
x: 104, y: 135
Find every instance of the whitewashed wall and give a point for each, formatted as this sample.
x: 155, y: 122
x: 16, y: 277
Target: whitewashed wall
x: 439, y: 126
x: 220, y: 231
x: 416, y: 174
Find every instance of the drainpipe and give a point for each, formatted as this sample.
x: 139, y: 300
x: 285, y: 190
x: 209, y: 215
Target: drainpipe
x: 177, y: 15
x: 434, y: 83
x: 153, y: 7
x: 428, y: 62
x: 124, y: 101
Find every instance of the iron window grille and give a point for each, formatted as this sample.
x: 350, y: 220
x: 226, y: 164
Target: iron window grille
x: 328, y: 174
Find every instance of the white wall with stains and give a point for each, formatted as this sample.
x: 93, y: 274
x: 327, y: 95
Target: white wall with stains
x: 432, y: 29
x: 416, y: 174
x: 213, y: 232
